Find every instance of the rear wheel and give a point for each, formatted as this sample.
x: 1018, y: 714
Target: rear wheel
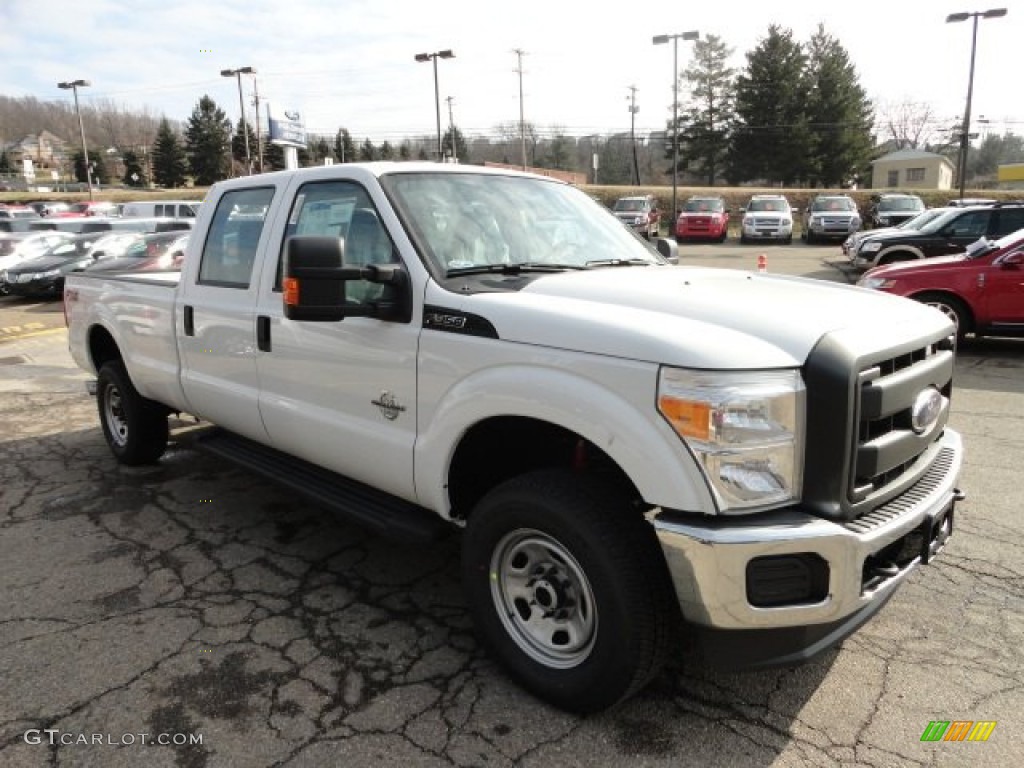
x: 135, y: 428
x: 952, y: 308
x: 568, y: 588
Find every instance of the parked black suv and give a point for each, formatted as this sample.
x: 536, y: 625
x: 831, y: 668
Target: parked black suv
x: 892, y: 208
x: 949, y: 233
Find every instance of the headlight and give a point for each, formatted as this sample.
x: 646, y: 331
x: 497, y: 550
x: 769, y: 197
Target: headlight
x: 883, y: 220
x: 876, y: 283
x: 786, y: 222
x: 746, y: 429
x: 871, y: 246
x: 855, y: 222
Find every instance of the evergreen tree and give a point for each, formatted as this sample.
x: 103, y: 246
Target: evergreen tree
x: 367, y: 152
x: 169, y: 163
x: 5, y: 163
x: 273, y: 157
x: 238, y: 145
x: 319, y: 149
x: 707, y: 121
x: 344, y: 147
x: 134, y: 171
x: 770, y: 137
x: 405, y: 150
x: 99, y: 168
x: 840, y: 116
x: 387, y: 152
x: 206, y: 139
x: 461, y: 148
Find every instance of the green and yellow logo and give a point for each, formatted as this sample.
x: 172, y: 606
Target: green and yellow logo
x: 958, y: 730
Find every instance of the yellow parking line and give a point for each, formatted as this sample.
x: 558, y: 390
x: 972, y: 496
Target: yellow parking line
x: 47, y: 332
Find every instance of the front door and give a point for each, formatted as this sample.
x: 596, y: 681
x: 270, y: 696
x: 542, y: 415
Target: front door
x: 340, y: 394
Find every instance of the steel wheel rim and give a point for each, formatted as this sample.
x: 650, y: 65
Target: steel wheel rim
x: 948, y: 311
x: 543, y: 598
x: 113, y: 414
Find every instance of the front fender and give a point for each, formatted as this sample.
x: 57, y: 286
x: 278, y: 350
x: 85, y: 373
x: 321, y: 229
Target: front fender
x: 635, y: 437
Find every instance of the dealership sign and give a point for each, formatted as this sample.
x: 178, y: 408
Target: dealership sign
x: 288, y: 130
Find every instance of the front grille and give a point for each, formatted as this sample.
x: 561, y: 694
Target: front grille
x: 887, y: 447
x: 862, y: 450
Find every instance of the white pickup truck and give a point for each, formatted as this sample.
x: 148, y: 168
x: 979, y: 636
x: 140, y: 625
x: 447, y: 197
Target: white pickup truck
x: 647, y: 460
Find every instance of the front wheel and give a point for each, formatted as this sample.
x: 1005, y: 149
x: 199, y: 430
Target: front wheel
x: 952, y: 308
x: 135, y: 428
x: 568, y: 588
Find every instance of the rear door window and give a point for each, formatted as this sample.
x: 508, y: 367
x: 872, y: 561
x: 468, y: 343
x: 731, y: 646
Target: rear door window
x: 229, y: 252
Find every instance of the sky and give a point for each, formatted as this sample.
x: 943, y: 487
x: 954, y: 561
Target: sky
x: 351, y: 62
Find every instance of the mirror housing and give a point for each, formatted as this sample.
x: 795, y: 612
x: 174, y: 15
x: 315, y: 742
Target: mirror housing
x: 667, y: 247
x: 315, y: 274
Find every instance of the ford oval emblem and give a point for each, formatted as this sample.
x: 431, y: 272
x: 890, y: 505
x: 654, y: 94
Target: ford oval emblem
x: 926, y: 410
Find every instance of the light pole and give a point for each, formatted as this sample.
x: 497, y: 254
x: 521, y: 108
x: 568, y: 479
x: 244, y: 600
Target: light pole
x: 658, y: 40
x: 965, y: 139
x: 74, y: 85
x: 421, y: 57
x: 522, y: 123
x: 241, y: 106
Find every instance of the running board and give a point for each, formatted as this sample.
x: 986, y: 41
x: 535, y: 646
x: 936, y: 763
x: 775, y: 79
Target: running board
x: 382, y: 513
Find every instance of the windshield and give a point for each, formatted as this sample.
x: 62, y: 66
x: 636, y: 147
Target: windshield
x: 833, y: 204
x: 900, y: 204
x: 467, y: 220
x: 768, y: 205
x: 704, y: 205
x: 940, y: 221
x: 630, y: 204
x: 916, y: 222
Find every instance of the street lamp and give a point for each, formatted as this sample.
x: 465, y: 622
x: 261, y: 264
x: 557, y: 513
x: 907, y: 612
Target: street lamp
x: 421, y: 57
x: 241, y: 106
x: 73, y: 86
x: 658, y: 40
x: 965, y: 139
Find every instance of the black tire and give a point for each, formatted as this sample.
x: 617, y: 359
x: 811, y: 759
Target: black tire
x: 894, y: 258
x: 135, y: 428
x: 569, y: 544
x: 724, y: 236
x: 809, y: 237
x: 743, y: 240
x: 788, y: 240
x: 952, y: 308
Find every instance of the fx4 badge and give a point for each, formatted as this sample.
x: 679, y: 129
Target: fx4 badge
x: 388, y: 406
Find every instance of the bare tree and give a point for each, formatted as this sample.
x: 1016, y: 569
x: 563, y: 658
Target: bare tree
x: 909, y: 124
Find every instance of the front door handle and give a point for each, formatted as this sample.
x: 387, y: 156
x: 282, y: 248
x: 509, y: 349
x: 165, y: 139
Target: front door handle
x: 190, y: 329
x: 263, y: 333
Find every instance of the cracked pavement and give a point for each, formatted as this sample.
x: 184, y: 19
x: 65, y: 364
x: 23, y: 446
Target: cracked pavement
x: 194, y: 598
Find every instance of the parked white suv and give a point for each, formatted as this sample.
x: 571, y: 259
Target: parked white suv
x: 767, y: 217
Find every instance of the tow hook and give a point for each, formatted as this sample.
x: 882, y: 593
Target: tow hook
x: 959, y: 495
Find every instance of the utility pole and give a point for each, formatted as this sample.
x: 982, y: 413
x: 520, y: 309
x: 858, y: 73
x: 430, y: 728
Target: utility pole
x: 633, y: 109
x: 451, y: 128
x: 259, y: 138
x: 522, y: 123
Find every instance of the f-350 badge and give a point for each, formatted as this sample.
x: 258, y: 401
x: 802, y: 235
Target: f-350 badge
x: 388, y: 405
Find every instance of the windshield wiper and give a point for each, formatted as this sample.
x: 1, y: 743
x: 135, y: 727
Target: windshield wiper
x: 619, y: 263
x: 510, y: 269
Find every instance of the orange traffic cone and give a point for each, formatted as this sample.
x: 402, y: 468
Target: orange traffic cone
x: 762, y: 263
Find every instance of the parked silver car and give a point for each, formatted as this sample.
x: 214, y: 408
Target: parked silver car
x: 767, y: 217
x: 830, y: 217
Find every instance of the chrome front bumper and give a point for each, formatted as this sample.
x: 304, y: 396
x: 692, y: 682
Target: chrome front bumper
x: 708, y: 557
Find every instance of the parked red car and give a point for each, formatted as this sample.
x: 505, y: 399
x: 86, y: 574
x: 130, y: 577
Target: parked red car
x: 704, y: 218
x: 95, y: 208
x: 981, y: 291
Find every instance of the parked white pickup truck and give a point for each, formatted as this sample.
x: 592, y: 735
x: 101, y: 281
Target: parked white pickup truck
x: 632, y: 448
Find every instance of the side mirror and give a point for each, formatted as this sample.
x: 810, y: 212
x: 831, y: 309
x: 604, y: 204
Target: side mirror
x: 668, y: 248
x: 315, y: 274
x: 1012, y: 261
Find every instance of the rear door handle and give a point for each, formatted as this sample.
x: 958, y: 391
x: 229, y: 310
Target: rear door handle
x: 263, y: 333
x: 190, y: 329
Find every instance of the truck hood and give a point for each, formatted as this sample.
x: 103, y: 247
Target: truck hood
x: 931, y: 265
x: 692, y: 316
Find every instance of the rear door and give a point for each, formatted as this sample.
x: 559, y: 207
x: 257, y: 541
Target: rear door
x: 215, y: 318
x: 340, y: 394
x: 1004, y: 290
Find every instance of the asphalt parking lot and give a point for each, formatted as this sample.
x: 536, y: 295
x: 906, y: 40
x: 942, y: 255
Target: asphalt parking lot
x: 192, y: 599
